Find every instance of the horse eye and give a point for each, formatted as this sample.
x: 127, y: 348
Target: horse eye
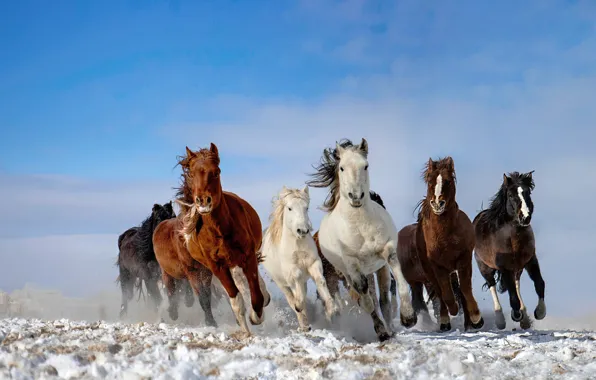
x: 341, y: 168
x: 289, y: 209
x: 366, y: 167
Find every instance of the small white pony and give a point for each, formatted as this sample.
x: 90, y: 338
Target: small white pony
x: 290, y: 254
x: 358, y: 236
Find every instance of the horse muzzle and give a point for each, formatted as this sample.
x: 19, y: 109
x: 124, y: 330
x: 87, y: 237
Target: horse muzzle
x: 437, y: 208
x: 524, y: 222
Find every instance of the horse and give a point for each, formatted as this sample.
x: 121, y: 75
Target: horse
x: 222, y: 231
x: 290, y: 253
x: 136, y: 258
x: 333, y: 277
x: 407, y: 253
x: 357, y: 235
x: 445, y: 241
x: 505, y: 246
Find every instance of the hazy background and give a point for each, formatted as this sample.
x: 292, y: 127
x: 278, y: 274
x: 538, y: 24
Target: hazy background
x: 97, y: 99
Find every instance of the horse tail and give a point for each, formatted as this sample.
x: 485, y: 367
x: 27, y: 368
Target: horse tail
x: 260, y: 256
x: 501, y: 288
x: 139, y: 288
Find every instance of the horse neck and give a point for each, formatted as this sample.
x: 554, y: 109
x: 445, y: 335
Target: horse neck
x: 219, y: 217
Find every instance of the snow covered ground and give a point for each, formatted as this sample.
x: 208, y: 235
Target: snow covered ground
x: 142, y: 348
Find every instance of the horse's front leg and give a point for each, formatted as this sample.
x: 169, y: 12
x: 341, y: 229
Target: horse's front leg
x: 533, y: 269
x: 464, y: 269
x: 257, y: 299
x: 384, y: 282
x: 316, y: 272
x: 224, y: 276
x: 408, y: 317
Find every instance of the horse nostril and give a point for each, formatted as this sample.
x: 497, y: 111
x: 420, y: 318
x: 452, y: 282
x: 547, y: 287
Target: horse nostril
x: 208, y: 199
x: 351, y: 195
x: 198, y: 200
x: 299, y: 231
x: 362, y: 195
x: 441, y: 203
x: 307, y: 231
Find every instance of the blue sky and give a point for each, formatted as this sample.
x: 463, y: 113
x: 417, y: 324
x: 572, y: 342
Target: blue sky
x: 98, y: 98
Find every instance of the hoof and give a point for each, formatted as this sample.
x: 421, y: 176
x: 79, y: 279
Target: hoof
x: 267, y: 302
x: 189, y: 302
x: 525, y: 323
x: 384, y: 336
x: 500, y: 320
x: 305, y: 329
x: 255, y: 320
x: 454, y: 310
x: 408, y: 322
x: 173, y: 314
x: 445, y: 327
x: 478, y: 325
x: 540, y: 311
x: 211, y: 323
x: 516, y: 315
x: 123, y: 312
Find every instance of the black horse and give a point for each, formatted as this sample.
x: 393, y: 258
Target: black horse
x: 137, y: 262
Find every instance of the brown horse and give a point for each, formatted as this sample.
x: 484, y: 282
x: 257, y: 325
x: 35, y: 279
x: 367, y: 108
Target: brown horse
x: 407, y: 254
x: 177, y: 266
x: 445, y: 241
x: 505, y: 246
x: 222, y: 231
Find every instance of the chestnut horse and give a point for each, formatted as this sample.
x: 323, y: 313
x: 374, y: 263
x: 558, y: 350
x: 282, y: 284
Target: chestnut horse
x: 222, y: 231
x: 505, y: 246
x: 445, y: 241
x: 179, y: 268
x: 407, y: 253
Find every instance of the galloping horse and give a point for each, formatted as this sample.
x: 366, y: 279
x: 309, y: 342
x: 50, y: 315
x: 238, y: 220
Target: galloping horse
x: 290, y: 253
x: 505, y: 246
x: 136, y: 257
x: 357, y: 235
x: 222, y: 231
x: 333, y: 277
x: 445, y: 241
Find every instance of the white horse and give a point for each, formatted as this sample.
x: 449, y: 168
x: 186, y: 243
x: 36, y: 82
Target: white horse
x: 358, y: 236
x: 290, y: 254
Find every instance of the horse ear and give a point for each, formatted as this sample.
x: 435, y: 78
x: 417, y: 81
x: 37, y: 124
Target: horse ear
x: 338, y: 150
x: 305, y: 190
x: 189, y: 153
x: 156, y: 207
x: 529, y: 174
x: 505, y: 180
x: 214, y: 150
x: 450, y: 164
x: 364, y: 146
x: 431, y: 164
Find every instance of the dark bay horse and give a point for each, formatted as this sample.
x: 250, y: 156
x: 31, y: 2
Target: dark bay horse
x: 407, y: 253
x: 333, y: 277
x: 505, y: 246
x: 222, y: 231
x: 179, y: 268
x: 445, y: 241
x: 136, y: 258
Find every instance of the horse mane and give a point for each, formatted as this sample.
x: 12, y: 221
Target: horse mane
x: 496, y: 213
x: 184, y: 192
x: 326, y: 174
x: 276, y: 217
x: 375, y: 197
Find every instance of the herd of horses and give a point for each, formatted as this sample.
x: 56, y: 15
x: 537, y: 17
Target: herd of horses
x: 218, y: 233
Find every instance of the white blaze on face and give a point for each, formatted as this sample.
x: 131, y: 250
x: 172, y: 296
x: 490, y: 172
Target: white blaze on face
x: 524, y: 207
x: 438, y: 188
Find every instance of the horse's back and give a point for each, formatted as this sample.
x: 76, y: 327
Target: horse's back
x: 165, y: 246
x: 239, y: 206
x: 407, y: 254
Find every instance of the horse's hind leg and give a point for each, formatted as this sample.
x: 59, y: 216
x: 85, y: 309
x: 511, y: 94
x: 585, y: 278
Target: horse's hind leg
x: 418, y: 301
x: 151, y: 277
x: 533, y: 269
x: 316, y: 272
x: 464, y: 269
x: 127, y: 283
x: 171, y: 286
x: 200, y: 281
x: 488, y: 274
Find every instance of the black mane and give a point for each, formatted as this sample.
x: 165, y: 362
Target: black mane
x: 377, y: 198
x: 326, y: 174
x: 496, y: 214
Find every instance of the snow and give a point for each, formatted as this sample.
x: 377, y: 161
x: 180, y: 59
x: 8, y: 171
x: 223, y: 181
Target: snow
x: 84, y: 347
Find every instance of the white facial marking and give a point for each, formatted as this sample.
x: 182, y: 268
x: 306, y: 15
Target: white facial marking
x: 438, y: 188
x: 204, y: 209
x: 524, y: 207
